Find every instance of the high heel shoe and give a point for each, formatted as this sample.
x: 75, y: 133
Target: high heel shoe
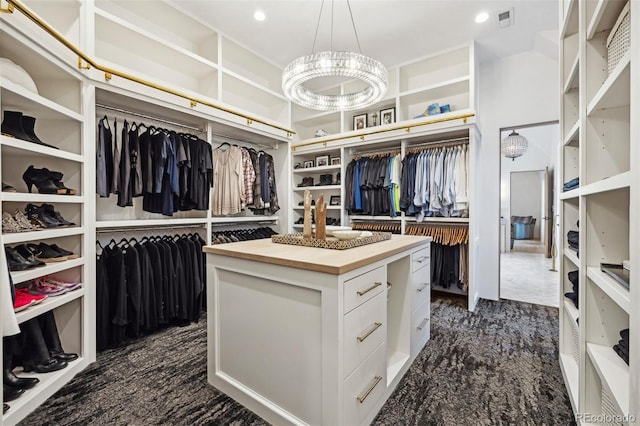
x: 46, y: 181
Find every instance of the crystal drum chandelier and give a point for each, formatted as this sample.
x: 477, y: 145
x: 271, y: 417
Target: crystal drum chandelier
x: 514, y: 145
x: 335, y: 64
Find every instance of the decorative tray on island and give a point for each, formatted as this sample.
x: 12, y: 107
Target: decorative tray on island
x: 330, y: 242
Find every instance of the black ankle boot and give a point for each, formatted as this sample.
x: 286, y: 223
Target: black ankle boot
x: 9, y: 393
x: 10, y: 379
x: 35, y: 353
x: 28, y: 125
x: 12, y: 125
x: 5, y: 407
x: 51, y: 337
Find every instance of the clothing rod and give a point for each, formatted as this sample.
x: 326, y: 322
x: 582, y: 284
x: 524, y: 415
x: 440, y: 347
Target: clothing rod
x: 148, y: 117
x: 443, y: 142
x: 260, y: 222
x: 224, y: 138
x: 379, y: 151
x: 148, y: 228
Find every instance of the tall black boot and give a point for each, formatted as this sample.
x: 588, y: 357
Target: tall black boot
x: 35, y: 354
x: 9, y: 393
x: 28, y: 125
x: 52, y: 338
x: 8, y: 377
x: 12, y: 125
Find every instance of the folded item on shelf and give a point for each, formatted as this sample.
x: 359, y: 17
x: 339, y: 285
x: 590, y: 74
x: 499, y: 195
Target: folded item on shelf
x: 574, y: 295
x: 17, y: 75
x: 572, y: 184
x: 573, y: 238
x: 617, y: 272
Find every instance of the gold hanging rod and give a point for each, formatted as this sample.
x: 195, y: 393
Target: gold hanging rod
x: 148, y: 117
x: 148, y: 228
x: 224, y: 138
x: 109, y: 72
x: 440, y: 143
x: 378, y: 152
x: 407, y: 127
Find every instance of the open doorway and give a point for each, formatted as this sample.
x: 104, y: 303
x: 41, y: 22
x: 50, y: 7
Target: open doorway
x: 527, y: 203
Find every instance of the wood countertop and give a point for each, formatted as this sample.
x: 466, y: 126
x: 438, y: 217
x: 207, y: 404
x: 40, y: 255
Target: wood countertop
x: 317, y: 259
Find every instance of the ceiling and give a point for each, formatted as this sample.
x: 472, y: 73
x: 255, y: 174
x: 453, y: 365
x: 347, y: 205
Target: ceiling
x: 392, y: 31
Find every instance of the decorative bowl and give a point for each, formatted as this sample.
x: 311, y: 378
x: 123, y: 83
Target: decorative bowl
x: 346, y: 235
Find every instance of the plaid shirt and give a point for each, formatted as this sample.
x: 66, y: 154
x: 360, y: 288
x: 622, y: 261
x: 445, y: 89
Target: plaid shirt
x: 249, y: 177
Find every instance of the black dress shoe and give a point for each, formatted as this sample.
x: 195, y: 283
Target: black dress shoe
x: 25, y: 252
x: 12, y: 125
x: 9, y: 393
x: 63, y: 356
x: 10, y: 379
x: 47, y: 366
x: 5, y: 407
x: 16, y: 261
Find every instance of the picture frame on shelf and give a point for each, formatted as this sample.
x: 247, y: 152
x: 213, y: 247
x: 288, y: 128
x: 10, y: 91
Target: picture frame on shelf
x: 334, y: 200
x: 322, y: 160
x: 308, y: 164
x: 360, y: 121
x: 387, y: 116
x: 335, y: 161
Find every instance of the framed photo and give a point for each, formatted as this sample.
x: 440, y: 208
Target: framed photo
x: 322, y: 160
x: 308, y: 164
x: 334, y: 200
x: 360, y: 122
x: 335, y: 161
x: 387, y: 116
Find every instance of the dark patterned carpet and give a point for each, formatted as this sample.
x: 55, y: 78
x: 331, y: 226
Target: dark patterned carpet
x: 497, y: 366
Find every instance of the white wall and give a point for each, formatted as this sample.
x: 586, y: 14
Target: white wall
x: 526, y: 199
x: 516, y: 90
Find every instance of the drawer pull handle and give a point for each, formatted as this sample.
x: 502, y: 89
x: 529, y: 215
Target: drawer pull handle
x: 421, y: 259
x: 424, y: 285
x: 376, y: 325
x: 363, y: 292
x: 423, y: 323
x: 364, y: 396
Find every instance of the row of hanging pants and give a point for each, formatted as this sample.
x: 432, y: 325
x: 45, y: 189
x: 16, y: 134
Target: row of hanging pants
x: 450, y: 266
x: 147, y: 285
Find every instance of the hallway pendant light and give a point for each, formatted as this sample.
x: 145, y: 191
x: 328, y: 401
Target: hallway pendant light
x: 514, y: 145
x: 335, y: 64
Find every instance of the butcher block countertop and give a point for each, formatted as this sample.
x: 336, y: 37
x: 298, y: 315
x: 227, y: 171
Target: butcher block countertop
x: 317, y: 259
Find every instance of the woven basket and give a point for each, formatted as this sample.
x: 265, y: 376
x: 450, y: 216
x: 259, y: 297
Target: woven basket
x: 619, y: 39
x: 335, y: 244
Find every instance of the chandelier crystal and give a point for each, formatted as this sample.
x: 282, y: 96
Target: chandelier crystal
x: 341, y: 64
x: 514, y: 145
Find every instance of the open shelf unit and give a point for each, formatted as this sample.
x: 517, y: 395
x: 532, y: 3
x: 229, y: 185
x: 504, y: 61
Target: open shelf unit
x: 601, y: 147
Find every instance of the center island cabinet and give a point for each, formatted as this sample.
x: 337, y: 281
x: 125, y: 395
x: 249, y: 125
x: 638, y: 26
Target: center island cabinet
x: 304, y: 335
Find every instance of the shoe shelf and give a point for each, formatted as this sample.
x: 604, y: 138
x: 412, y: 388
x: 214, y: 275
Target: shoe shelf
x: 616, y: 89
x: 13, y: 146
x: 620, y: 295
x: 571, y: 255
x: 21, y: 237
x: 572, y: 81
x: 49, y: 384
x: 569, y: 23
x: 317, y: 188
x: 572, y: 138
x: 620, y: 181
x: 317, y: 169
x: 49, y: 304
x: 605, y: 13
x: 27, y: 197
x: 571, y: 309
x: 40, y: 271
x: 613, y: 372
x: 569, y: 368
x: 17, y: 98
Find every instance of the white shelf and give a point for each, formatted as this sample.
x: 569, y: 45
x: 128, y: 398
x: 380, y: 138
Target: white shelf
x: 317, y: 169
x: 26, y: 197
x: 623, y: 180
x: 572, y: 137
x: 438, y: 219
x: 570, y: 22
x: 17, y: 97
x: 441, y: 85
x: 321, y: 117
x: 569, y: 368
x: 572, y: 79
x: 613, y: 371
x: 615, y: 90
x: 26, y: 148
x: 49, y: 384
x: 21, y: 237
x: 571, y: 310
x: 49, y: 304
x: 574, y: 193
x: 253, y: 84
x: 48, y: 269
x: 101, y: 224
x: 243, y: 219
x: 604, y: 16
x: 571, y: 255
x: 313, y: 207
x: 615, y: 291
x: 317, y: 188
x: 394, y: 364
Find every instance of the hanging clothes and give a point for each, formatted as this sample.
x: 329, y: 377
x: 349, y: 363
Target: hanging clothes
x: 104, y: 159
x: 228, y: 185
x: 373, y: 185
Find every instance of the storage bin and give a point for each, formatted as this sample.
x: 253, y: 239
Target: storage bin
x: 619, y: 39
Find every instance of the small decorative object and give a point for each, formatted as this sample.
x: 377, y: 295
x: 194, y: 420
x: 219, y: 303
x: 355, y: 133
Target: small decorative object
x: 321, y: 217
x: 335, y: 161
x: 388, y: 116
x: 306, y: 227
x: 445, y: 108
x: 322, y: 160
x: 360, y: 122
x: 346, y: 235
x: 514, y: 145
x: 297, y: 166
x: 320, y: 133
x: 326, y: 179
x: 334, y: 200
x: 433, y: 109
x: 308, y: 163
x: 374, y: 119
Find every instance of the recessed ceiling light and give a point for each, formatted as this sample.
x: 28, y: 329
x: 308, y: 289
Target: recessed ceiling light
x: 259, y: 15
x: 482, y: 17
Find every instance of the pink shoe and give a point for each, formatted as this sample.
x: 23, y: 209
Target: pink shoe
x: 63, y: 284
x: 22, y: 302
x: 40, y: 286
x: 36, y: 298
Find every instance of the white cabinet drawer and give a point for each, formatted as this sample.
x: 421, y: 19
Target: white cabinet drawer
x: 420, y: 328
x: 364, y: 329
x: 364, y: 387
x: 420, y: 287
x: 420, y: 258
x: 364, y: 287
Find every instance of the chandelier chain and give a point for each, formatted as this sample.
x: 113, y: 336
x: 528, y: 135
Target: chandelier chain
x: 354, y: 27
x: 315, y: 38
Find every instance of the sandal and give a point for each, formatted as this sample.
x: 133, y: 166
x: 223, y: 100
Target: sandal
x: 9, y: 224
x: 8, y: 188
x: 24, y: 222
